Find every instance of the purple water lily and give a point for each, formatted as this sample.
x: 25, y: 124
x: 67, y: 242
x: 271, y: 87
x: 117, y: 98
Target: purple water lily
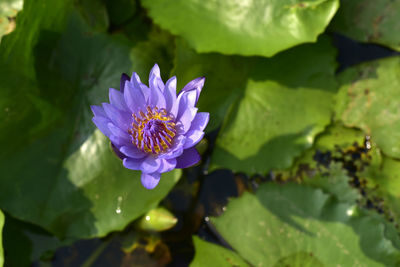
x: 151, y: 128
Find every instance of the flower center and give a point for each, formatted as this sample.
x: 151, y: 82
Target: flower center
x: 153, y: 131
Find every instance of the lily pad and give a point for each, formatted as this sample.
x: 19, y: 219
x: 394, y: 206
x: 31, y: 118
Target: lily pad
x: 208, y: 254
x: 370, y: 21
x: 262, y: 27
x: 57, y: 171
x: 368, y: 99
x: 286, y: 102
x: 225, y: 79
x: 297, y: 224
x: 384, y: 182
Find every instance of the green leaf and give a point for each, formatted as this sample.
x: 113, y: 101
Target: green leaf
x: 56, y: 169
x: 370, y: 21
x: 368, y: 99
x: 120, y: 11
x: 288, y: 99
x: 1, y: 238
x: 95, y: 14
x: 262, y: 27
x: 225, y: 79
x: 8, y: 13
x: 384, y: 182
x: 208, y: 254
x: 303, y: 226
x: 25, y: 243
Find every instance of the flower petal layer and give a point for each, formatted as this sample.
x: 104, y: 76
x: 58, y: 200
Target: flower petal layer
x: 134, y: 98
x: 124, y: 79
x: 117, y: 100
x: 188, y: 158
x: 150, y: 180
x: 197, y: 84
x: 138, y: 114
x: 155, y: 81
x: 170, y: 93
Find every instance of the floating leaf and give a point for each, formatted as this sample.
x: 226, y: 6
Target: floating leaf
x: 288, y: 99
x: 368, y: 99
x: 297, y: 224
x: 208, y: 254
x: 225, y: 79
x: 262, y: 27
x: 57, y: 171
x: 370, y: 21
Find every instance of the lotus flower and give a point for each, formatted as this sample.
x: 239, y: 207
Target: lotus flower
x: 151, y: 128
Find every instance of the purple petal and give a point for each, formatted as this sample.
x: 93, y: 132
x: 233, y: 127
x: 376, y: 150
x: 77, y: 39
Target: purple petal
x: 186, y: 102
x: 155, y: 81
x: 150, y: 165
x: 118, y: 136
x: 200, y: 122
x: 136, y: 83
x: 170, y: 93
x: 175, y: 106
x: 167, y: 165
x: 134, y: 97
x: 133, y: 164
x: 117, y: 100
x: 197, y: 84
x: 145, y: 91
x: 135, y: 80
x: 185, y: 120
x: 156, y: 98
x: 98, y: 111
x: 176, y: 149
x: 192, y: 138
x: 150, y: 180
x: 124, y: 79
x: 117, y: 152
x: 101, y: 123
x: 132, y: 152
x: 188, y: 158
x: 120, y: 118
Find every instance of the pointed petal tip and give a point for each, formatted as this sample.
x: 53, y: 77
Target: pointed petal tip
x: 98, y: 111
x: 156, y: 67
x: 124, y: 77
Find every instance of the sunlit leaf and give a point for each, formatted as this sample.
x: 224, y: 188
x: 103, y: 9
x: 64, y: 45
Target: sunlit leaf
x: 287, y: 100
x: 208, y: 254
x: 261, y: 27
x: 368, y: 99
x: 300, y: 225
